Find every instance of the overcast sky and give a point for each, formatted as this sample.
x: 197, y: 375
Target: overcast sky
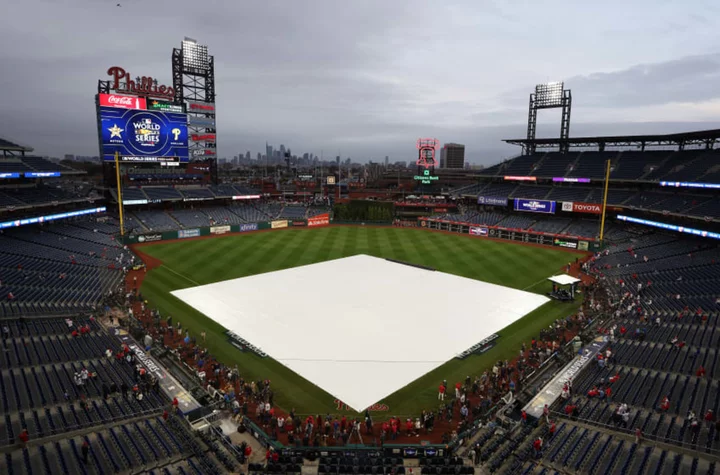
x: 367, y: 78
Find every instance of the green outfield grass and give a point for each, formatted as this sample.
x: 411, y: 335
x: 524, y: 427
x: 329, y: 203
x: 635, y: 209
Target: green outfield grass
x: 191, y: 263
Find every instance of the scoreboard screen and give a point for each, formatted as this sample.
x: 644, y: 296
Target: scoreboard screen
x: 143, y: 135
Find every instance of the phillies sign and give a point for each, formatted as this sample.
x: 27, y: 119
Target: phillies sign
x: 575, y: 207
x: 122, y: 102
x: 141, y: 85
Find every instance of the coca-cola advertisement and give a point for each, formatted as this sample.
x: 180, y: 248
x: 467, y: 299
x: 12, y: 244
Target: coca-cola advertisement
x: 122, y: 102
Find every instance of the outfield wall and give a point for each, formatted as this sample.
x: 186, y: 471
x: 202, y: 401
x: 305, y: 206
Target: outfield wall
x: 577, y: 243
x: 494, y: 232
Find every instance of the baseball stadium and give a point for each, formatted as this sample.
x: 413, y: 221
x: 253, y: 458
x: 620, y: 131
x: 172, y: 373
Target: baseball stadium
x: 556, y: 312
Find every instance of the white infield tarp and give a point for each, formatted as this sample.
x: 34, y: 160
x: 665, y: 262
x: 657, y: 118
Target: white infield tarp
x: 360, y: 327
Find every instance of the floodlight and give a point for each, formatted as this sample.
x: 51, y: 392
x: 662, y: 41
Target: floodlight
x: 549, y: 94
x: 195, y: 56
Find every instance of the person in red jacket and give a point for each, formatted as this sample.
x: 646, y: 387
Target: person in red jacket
x: 552, y: 429
x: 700, y: 372
x: 441, y: 392
x: 710, y: 417
x: 665, y: 404
x: 537, y: 445
x: 614, y: 379
x: 248, y: 451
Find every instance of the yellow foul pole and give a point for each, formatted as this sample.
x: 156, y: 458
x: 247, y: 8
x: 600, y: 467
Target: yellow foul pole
x: 604, y: 204
x: 119, y: 193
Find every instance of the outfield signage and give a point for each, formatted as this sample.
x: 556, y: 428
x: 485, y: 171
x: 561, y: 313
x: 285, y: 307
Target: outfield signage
x: 280, y: 223
x: 492, y: 201
x: 188, y: 233
x: 134, y: 202
x: 243, y: 345
x: 150, y: 238
x: 219, y: 229
x: 478, y: 231
x: 551, y: 392
x: 248, y: 227
x: 576, y: 207
x: 299, y: 223
x: 480, y: 347
x: 9, y: 175
x: 319, y: 220
x: 520, y: 178
x: 566, y: 243
x: 534, y: 206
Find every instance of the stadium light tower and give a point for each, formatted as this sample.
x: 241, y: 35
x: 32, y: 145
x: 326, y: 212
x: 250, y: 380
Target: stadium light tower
x: 551, y: 95
x: 194, y: 84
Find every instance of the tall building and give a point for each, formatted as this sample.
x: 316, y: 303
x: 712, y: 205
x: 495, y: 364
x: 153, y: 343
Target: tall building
x: 452, y: 155
x: 387, y: 161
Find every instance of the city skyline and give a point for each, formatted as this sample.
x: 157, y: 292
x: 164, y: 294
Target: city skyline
x: 360, y: 79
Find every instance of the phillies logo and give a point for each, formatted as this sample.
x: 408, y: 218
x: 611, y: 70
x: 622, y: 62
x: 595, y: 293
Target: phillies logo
x: 145, y: 85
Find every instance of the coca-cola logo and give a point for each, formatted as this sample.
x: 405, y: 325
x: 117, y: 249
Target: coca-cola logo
x: 123, y: 102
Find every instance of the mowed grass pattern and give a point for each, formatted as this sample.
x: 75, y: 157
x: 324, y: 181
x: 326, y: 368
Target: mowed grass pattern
x: 190, y: 263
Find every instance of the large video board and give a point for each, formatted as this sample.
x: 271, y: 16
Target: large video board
x: 140, y: 135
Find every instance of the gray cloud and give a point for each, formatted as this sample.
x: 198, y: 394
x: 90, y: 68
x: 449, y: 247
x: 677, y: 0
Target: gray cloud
x: 361, y: 78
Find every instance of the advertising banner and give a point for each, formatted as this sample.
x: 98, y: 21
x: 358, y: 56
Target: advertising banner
x: 299, y: 223
x: 667, y: 226
x: 520, y: 178
x: 165, y: 106
x: 534, y: 206
x: 201, y: 122
x: 248, y: 227
x: 219, y: 229
x: 560, y: 179
x: 195, y: 106
x: 51, y: 217
x: 492, y: 201
x: 478, y: 231
x: 551, y: 392
x: 280, y: 223
x: 566, y: 243
x: 9, y: 175
x: 140, y: 133
x: 319, y: 220
x: 203, y: 152
x: 188, y: 233
x: 203, y: 137
x: 577, y: 207
x: 41, y: 174
x: 122, y: 102
x: 685, y: 184
x: 149, y: 238
x: 246, y: 197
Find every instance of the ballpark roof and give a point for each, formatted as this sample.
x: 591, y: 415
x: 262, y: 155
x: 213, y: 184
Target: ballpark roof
x: 13, y: 147
x: 702, y: 137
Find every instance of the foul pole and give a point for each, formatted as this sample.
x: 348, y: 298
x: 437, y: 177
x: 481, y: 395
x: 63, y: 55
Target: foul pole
x: 604, y: 204
x: 119, y: 193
